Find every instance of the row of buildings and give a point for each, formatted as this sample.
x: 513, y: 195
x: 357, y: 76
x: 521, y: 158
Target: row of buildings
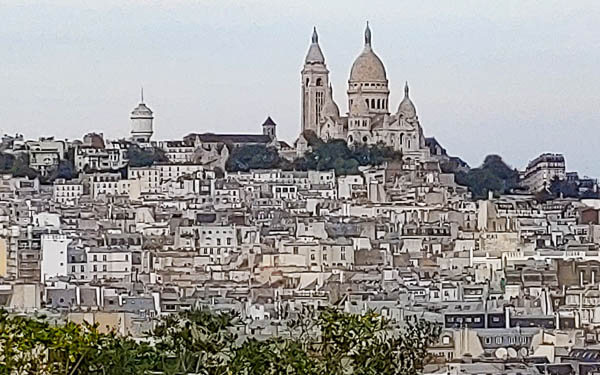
x: 513, y: 280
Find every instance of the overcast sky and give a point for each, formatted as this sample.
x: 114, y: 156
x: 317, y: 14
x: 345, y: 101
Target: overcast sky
x: 511, y: 77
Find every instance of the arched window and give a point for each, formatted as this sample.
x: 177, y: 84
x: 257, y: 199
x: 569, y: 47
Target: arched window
x: 373, y: 103
x: 408, y: 143
x: 401, y: 139
x: 319, y: 82
x: 307, y: 81
x: 350, y: 139
x: 378, y: 103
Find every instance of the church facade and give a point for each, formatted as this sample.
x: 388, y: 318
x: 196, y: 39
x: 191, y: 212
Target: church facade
x: 369, y: 119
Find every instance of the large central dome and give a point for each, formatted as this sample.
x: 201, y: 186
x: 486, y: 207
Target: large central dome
x: 368, y: 66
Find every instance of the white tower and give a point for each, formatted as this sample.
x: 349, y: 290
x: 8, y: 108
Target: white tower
x: 141, y: 122
x: 315, y: 80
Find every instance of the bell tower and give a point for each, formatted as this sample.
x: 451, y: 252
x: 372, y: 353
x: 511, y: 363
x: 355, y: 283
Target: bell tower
x: 315, y: 80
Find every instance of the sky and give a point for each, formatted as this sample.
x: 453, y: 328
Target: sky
x: 513, y: 77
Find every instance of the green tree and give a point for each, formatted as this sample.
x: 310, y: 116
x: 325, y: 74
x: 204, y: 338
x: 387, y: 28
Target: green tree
x: 144, y: 157
x: 336, y: 154
x: 493, y: 175
x: 328, y: 342
x: 21, y: 168
x: 247, y: 157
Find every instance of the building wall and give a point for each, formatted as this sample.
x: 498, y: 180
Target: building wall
x: 3, y: 258
x: 54, y: 255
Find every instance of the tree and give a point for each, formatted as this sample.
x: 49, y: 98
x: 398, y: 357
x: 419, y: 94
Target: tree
x: 247, y: 157
x: 327, y: 342
x: 336, y: 154
x: 493, y: 175
x: 561, y: 187
x: 21, y: 168
x: 145, y: 157
x: 6, y: 161
x: 64, y: 169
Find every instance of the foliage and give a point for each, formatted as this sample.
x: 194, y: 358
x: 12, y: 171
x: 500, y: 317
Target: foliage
x: 201, y: 342
x: 21, y: 168
x: 336, y: 154
x: 144, y: 157
x: 6, y: 161
x: 65, y: 169
x: 32, y: 346
x: 247, y: 157
x: 563, y: 187
x: 493, y: 175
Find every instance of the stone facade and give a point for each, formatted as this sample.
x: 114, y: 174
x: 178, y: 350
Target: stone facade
x: 368, y: 120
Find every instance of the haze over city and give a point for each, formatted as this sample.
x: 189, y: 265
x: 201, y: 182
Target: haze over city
x: 507, y: 77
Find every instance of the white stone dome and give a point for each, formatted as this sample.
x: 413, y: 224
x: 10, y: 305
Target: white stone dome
x: 368, y: 67
x: 330, y: 108
x: 407, y: 107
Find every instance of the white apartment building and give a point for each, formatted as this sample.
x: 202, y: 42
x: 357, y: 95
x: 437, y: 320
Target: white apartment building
x: 109, y: 263
x: 111, y: 157
x: 54, y: 255
x: 67, y: 192
x: 287, y: 192
x: 45, y: 154
x: 152, y: 177
x: 178, y: 152
x: 105, y: 184
x: 542, y: 170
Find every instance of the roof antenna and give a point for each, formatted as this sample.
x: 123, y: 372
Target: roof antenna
x: 142, y: 94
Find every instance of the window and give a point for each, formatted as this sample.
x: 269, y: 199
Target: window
x: 72, y: 268
x: 104, y: 258
x: 95, y: 268
x: 296, y: 250
x: 95, y: 258
x: 82, y: 268
x: 126, y: 256
x: 312, y: 256
x: 104, y: 268
x: 498, y: 340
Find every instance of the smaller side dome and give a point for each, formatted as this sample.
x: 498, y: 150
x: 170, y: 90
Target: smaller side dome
x: 330, y: 108
x: 407, y: 107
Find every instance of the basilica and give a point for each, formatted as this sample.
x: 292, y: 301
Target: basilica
x: 369, y: 119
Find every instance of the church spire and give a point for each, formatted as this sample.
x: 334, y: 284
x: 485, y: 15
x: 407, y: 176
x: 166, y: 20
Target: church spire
x: 368, y: 35
x: 142, y: 94
x: 314, y: 55
x: 406, y: 89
